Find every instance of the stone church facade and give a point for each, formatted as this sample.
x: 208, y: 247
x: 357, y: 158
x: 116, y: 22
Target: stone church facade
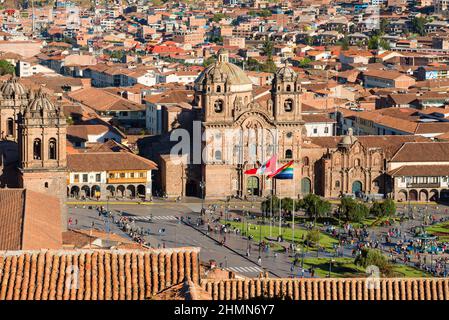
x: 33, y: 142
x: 243, y: 128
x: 244, y: 125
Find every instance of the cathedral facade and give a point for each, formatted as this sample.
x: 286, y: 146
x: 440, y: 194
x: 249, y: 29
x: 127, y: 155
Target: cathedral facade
x: 244, y: 126
x: 33, y: 142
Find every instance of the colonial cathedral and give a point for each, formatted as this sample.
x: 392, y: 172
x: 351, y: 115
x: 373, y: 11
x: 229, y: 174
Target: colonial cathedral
x: 33, y: 142
x: 244, y: 126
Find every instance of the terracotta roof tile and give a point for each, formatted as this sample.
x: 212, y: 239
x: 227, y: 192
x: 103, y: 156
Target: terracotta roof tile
x: 106, y: 161
x: 329, y: 289
x: 422, y: 152
x: 94, y: 274
x: 11, y: 217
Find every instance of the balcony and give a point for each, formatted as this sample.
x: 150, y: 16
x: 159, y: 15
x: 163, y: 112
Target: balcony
x: 127, y: 180
x: 424, y: 185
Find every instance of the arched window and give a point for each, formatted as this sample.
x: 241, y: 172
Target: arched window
x: 37, y: 149
x: 10, y: 126
x: 52, y: 149
x: 289, y: 88
x: 288, y: 154
x: 288, y: 105
x: 46, y: 184
x: 218, y: 88
x: 218, y: 155
x: 305, y: 161
x: 218, y: 106
x: 337, y: 184
x: 357, y: 162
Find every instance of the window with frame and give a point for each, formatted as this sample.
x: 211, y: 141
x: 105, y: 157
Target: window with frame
x: 76, y: 178
x: 85, y: 177
x: 98, y: 177
x: 218, y: 106
x: 288, y: 105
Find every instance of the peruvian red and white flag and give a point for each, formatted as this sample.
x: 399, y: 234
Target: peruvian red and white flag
x: 266, y: 168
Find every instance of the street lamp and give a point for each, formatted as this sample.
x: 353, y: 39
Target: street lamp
x: 330, y: 267
x: 202, y: 186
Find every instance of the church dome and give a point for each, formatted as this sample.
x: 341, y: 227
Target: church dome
x: 40, y: 104
x: 286, y: 73
x: 12, y: 87
x: 349, y: 139
x: 224, y: 71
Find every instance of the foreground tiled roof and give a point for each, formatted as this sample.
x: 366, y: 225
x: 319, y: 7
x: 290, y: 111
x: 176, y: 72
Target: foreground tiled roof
x: 11, y: 217
x: 101, y: 274
x: 329, y: 289
x: 29, y: 220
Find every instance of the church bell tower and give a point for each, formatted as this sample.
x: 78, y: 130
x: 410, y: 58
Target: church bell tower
x: 42, y: 147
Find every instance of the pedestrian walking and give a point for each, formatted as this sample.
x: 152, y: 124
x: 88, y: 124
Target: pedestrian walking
x: 259, y: 261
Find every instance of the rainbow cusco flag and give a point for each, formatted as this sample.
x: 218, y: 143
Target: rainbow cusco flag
x: 284, y: 172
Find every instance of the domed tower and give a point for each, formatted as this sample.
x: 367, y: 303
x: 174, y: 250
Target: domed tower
x: 286, y: 92
x: 348, y: 140
x: 218, y: 86
x: 42, y: 146
x: 13, y: 99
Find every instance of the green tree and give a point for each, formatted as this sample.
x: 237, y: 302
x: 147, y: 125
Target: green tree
x: 264, y: 13
x: 269, y: 66
x: 344, y: 43
x: 119, y: 54
x: 352, y: 210
x: 383, y: 24
x: 376, y: 209
x: 314, y: 206
x: 384, y: 44
x: 265, y: 206
x: 268, y: 48
x: 253, y: 65
x: 287, y: 204
x: 217, y: 39
x: 386, y: 208
x: 305, y: 62
x: 218, y: 16
x: 6, y: 68
x: 209, y: 61
x: 309, y: 40
x: 373, y: 257
x: 313, y: 237
x: 373, y: 43
x: 418, y: 25
x: 389, y: 207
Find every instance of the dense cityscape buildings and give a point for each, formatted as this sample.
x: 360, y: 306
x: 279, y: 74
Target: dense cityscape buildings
x: 224, y: 150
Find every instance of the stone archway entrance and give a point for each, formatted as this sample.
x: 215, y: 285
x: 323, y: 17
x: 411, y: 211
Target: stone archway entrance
x: 252, y: 186
x: 356, y: 187
x: 413, y: 195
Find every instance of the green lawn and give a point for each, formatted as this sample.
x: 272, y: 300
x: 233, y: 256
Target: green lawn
x: 441, y: 230
x: 408, y: 272
x: 341, y: 267
x: 345, y: 268
x: 255, y: 230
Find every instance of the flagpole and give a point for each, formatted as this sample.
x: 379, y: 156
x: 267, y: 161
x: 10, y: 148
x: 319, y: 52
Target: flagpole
x: 293, y: 213
x: 280, y: 208
x: 271, y: 207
